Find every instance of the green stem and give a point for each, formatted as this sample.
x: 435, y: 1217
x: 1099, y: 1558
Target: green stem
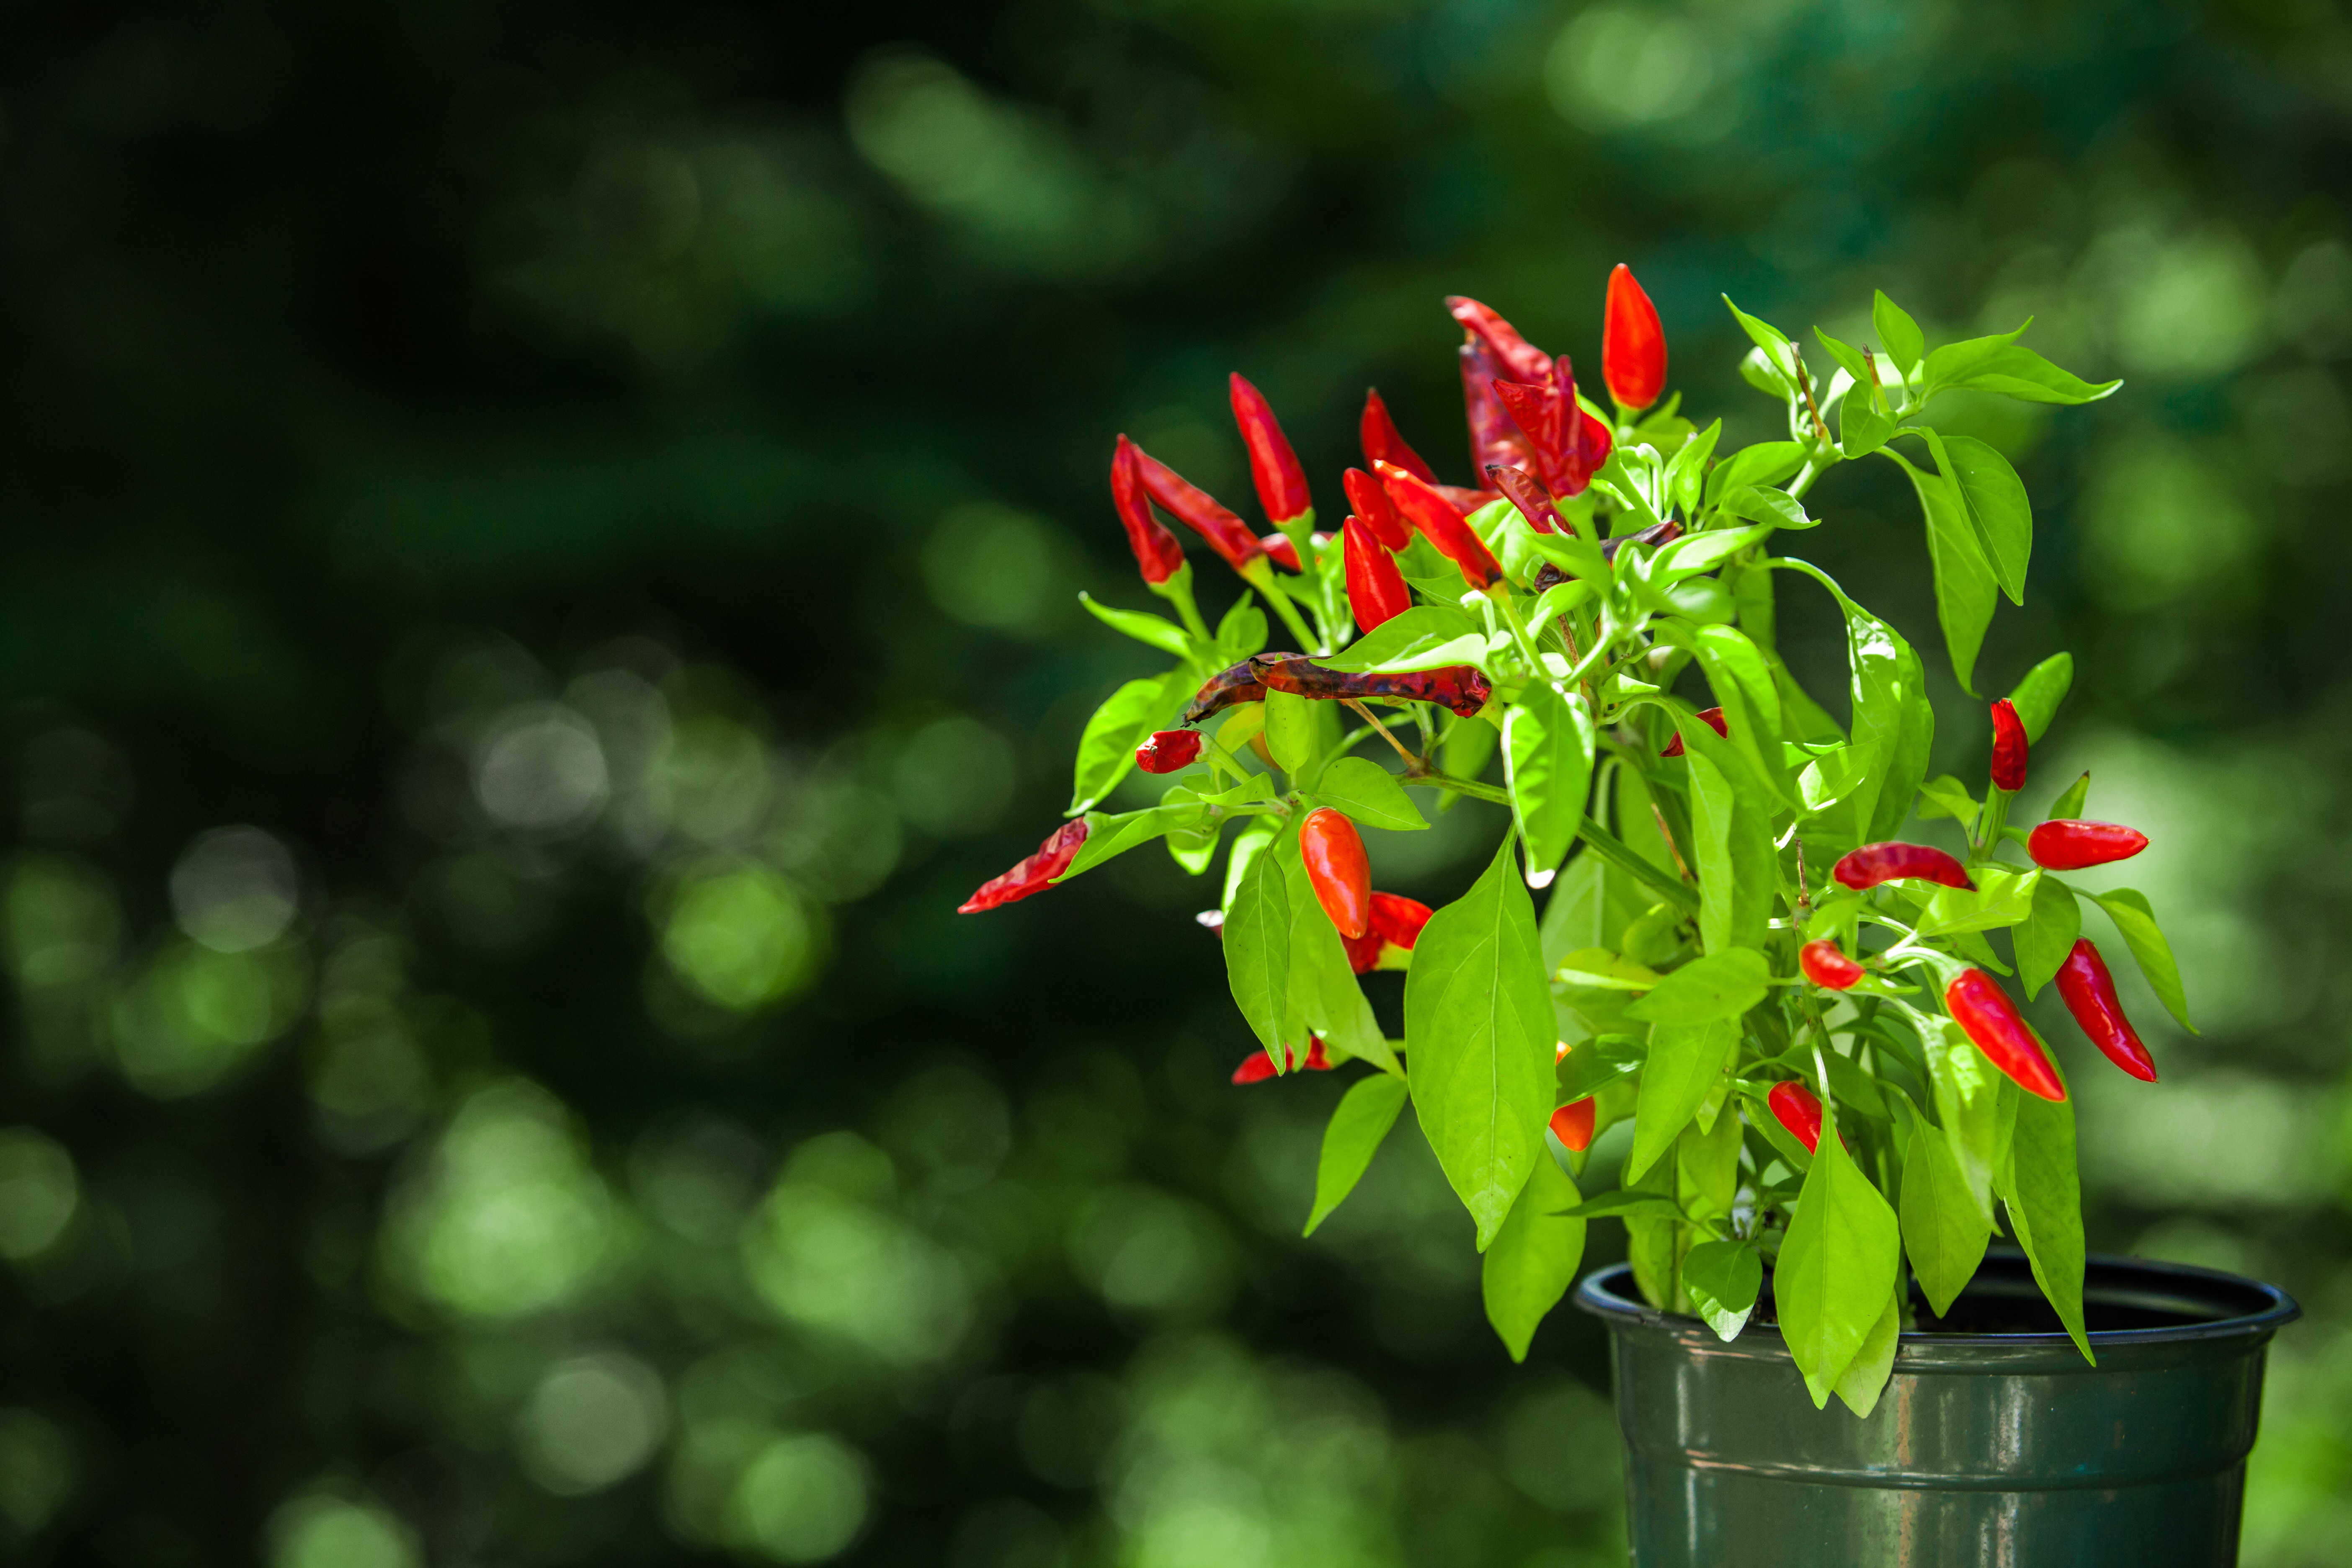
x: 1436, y: 780
x: 1280, y: 598
x: 1179, y: 594
x: 1502, y: 602
x: 1618, y: 853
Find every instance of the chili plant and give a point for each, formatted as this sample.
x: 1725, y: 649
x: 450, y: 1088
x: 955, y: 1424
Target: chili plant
x: 1803, y: 1017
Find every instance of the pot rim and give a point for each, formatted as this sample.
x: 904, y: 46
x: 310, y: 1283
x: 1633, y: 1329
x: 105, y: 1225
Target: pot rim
x: 1600, y: 1294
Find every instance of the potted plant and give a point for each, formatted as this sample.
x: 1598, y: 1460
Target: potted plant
x: 1805, y: 1012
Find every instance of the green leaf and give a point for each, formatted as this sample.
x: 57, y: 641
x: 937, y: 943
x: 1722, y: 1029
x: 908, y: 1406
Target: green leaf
x: 1426, y: 637
x: 1891, y: 713
x: 1479, y: 1036
x: 1548, y: 749
x: 1862, y: 428
x: 1865, y: 1379
x: 2045, y: 1199
x: 1965, y: 586
x: 1954, y: 362
x: 2016, y: 371
x: 1144, y: 627
x: 1324, y: 997
x: 1837, y: 1270
x: 2047, y: 934
x: 1357, y: 1128
x: 1625, y: 1203
x: 1257, y: 949
x: 1778, y: 349
x: 1943, y: 1230
x: 2001, y: 897
x: 1723, y: 1279
x: 1687, y: 1062
x: 1945, y: 796
x: 1592, y: 1065
x: 1113, y: 836
x: 1898, y: 334
x: 1848, y: 358
x: 2136, y: 920
x: 1241, y: 632
x: 2075, y: 802
x: 1106, y: 750
x: 1652, y: 1239
x: 1291, y: 722
x: 1686, y: 474
x: 1248, y: 844
x: 1697, y: 553
x: 1765, y: 464
x: 2045, y: 686
x: 1996, y: 506
x: 1967, y: 1103
x: 1731, y: 848
x: 1717, y: 986
x: 1533, y: 1260
x: 1369, y: 794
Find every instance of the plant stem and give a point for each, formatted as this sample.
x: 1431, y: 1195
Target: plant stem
x: 1373, y: 719
x: 1308, y: 641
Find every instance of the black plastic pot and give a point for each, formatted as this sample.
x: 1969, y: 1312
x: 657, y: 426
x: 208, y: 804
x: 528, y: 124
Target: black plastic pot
x: 1994, y: 1443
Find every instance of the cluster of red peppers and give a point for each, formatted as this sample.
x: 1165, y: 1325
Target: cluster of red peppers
x: 1973, y: 998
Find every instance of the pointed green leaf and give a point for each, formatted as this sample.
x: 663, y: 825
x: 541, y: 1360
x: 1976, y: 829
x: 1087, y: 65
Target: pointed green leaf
x: 2000, y: 898
x: 2037, y: 696
x: 1357, y: 1128
x: 1965, y: 586
x: 1865, y: 1379
x: 1837, y: 1268
x: 1723, y: 1279
x: 1967, y: 1103
x: 2016, y: 371
x: 1898, y: 334
x: 2075, y: 802
x: 1369, y: 794
x: 1290, y: 732
x: 1108, y: 836
x: 1144, y: 627
x: 1687, y: 1061
x: 1628, y: 1202
x: 1943, y: 1230
x: 1717, y: 986
x: 1325, y: 996
x: 1106, y: 750
x: 1426, y: 637
x: 1479, y: 1037
x: 1995, y: 499
x: 1954, y: 362
x: 1775, y: 343
x: 2133, y: 917
x: 2045, y: 1199
x: 1533, y: 1260
x: 1765, y: 464
x: 1257, y: 949
x: 2047, y: 934
x: 1548, y: 749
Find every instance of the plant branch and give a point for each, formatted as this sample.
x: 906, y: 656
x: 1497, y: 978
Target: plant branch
x: 1373, y: 719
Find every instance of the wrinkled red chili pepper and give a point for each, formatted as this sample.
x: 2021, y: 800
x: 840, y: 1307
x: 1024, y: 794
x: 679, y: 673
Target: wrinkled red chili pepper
x: 1715, y: 721
x: 1376, y: 590
x: 1876, y: 863
x: 1369, y: 502
x: 1229, y: 687
x: 1397, y: 919
x: 1258, y: 1067
x: 2010, y: 749
x: 1495, y: 437
x: 1202, y: 512
x: 1799, y: 1110
x: 2068, y: 844
x: 1169, y: 749
x: 1442, y: 523
x: 1632, y: 343
x: 1337, y: 869
x: 1572, y: 1124
x: 1987, y: 1015
x: 2089, y: 992
x: 1034, y: 874
x: 1382, y: 443
x: 1568, y: 443
x: 1274, y: 466
x: 1520, y: 359
x: 1528, y: 494
x: 1827, y: 967
x: 1159, y: 554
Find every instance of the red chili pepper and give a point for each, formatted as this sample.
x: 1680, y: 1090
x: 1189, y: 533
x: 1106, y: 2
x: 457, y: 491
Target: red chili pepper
x: 1169, y: 749
x: 2068, y: 844
x: 1526, y: 492
x: 1876, y: 863
x: 1158, y: 555
x: 1568, y: 443
x: 1987, y: 1015
x: 1376, y: 590
x: 1034, y: 874
x: 1257, y: 1067
x: 1369, y: 502
x: 1827, y: 967
x: 1280, y: 551
x: 1632, y: 343
x: 1363, y: 951
x: 1494, y: 437
x: 1202, y: 512
x: 1573, y: 1125
x: 1274, y: 466
x: 1799, y: 1110
x: 2009, y: 747
x: 2090, y: 995
x: 1520, y: 359
x: 1442, y: 524
x: 1397, y: 919
x: 1381, y: 444
x: 1715, y: 721
x: 1336, y: 869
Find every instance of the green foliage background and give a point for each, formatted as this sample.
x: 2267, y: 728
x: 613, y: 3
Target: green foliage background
x: 603, y: 491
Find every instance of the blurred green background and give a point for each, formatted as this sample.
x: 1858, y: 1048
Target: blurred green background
x: 542, y: 554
